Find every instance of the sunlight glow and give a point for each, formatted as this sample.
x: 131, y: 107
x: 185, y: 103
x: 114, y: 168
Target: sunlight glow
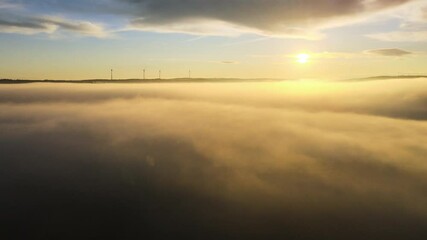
x: 303, y: 58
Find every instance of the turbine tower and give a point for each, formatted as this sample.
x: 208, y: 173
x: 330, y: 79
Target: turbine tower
x: 143, y: 74
x: 160, y: 74
x: 111, y: 74
x: 189, y: 74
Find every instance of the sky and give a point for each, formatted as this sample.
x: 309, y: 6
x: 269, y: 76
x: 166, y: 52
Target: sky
x: 58, y: 39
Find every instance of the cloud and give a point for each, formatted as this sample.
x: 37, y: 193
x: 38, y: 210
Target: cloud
x: 389, y: 52
x: 282, y: 18
x: 23, y: 19
x: 413, y: 26
x: 287, y: 18
x: 401, y: 98
x: 33, y: 25
x: 401, y: 36
x: 229, y: 62
x: 227, y: 161
x: 9, y: 6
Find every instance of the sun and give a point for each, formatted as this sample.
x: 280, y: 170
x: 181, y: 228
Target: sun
x: 303, y: 58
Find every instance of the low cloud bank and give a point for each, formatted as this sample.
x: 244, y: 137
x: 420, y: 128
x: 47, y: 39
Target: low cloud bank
x: 395, y: 98
x: 390, y: 52
x: 215, y: 161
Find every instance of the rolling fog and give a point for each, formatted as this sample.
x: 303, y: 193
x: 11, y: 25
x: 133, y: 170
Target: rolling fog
x: 280, y: 160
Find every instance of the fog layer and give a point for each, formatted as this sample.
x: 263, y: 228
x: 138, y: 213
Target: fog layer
x: 288, y: 160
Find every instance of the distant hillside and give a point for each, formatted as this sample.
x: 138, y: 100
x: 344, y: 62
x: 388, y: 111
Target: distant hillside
x: 386, y: 78
x: 194, y: 80
x: 174, y: 80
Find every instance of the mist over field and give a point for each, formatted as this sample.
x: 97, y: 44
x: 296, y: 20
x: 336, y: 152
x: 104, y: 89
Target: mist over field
x: 279, y: 160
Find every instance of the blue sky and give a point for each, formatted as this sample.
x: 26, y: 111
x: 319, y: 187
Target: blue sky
x: 84, y: 39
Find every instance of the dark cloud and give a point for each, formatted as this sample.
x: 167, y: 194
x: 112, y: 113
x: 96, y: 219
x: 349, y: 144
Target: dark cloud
x: 19, y: 23
x: 213, y: 161
x: 390, y: 52
x: 9, y: 5
x: 301, y: 19
x: 269, y: 17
